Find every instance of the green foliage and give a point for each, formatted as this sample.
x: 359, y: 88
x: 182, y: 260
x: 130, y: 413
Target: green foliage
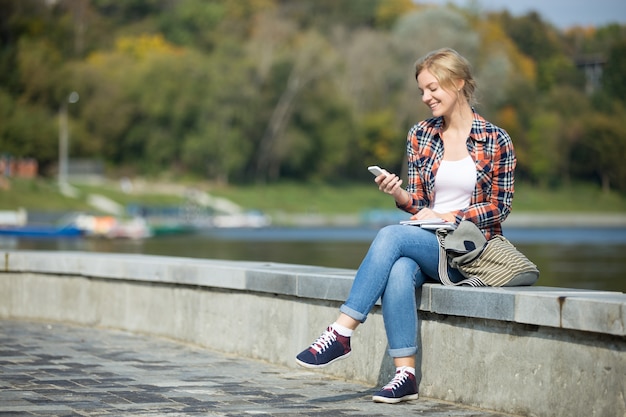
x: 128, y: 11
x: 532, y: 35
x: 33, y: 125
x: 325, y: 14
x: 558, y: 70
x: 613, y: 79
x: 193, y: 23
x: 267, y: 90
x: 544, y: 147
x: 602, y: 154
x: 379, y: 140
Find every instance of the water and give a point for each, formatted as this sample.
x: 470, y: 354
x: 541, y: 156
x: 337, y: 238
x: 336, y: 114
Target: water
x: 575, y: 258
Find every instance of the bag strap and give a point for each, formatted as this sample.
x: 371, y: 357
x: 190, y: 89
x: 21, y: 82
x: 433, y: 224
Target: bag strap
x: 443, y: 265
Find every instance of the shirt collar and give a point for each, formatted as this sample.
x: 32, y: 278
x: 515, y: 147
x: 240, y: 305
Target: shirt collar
x: 477, y: 132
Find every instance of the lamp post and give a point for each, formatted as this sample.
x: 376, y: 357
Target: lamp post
x: 64, y: 137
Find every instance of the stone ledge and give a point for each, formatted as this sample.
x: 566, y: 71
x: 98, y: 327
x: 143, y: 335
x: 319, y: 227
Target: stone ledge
x: 593, y: 311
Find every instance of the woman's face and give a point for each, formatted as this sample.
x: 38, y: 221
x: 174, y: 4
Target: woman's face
x: 440, y: 101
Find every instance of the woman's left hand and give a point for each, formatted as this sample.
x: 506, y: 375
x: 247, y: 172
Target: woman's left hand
x: 389, y: 184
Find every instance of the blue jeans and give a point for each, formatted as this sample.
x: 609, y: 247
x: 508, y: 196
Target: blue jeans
x: 399, y: 260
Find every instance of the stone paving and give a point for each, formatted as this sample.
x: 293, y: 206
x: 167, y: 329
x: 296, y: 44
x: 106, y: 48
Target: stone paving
x: 51, y: 369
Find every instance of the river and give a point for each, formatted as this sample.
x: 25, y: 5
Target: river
x: 584, y: 258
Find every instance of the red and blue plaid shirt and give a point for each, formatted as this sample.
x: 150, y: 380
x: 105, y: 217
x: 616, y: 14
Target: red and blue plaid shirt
x: 491, y: 149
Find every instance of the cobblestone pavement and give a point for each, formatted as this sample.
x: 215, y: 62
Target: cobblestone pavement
x: 50, y: 369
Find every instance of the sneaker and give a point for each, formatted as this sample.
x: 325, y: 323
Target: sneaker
x: 328, y: 348
x: 403, y: 387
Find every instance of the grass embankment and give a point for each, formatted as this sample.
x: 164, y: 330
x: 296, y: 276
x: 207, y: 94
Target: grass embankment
x: 348, y: 199
x: 43, y: 195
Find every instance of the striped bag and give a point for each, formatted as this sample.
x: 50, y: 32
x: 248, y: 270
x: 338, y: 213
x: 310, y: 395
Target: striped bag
x: 493, y: 263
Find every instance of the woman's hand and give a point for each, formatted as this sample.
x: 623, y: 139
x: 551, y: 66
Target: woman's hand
x: 427, y: 213
x: 424, y: 214
x: 390, y: 184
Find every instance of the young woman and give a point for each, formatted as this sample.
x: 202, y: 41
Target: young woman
x: 461, y: 167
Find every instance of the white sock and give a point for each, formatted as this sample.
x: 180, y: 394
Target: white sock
x: 344, y: 331
x: 406, y: 368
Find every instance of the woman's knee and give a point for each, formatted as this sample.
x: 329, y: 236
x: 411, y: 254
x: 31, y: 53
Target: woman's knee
x: 388, y: 233
x: 403, y: 273
x: 404, y: 266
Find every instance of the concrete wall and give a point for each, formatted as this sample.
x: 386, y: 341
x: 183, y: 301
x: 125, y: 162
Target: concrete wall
x: 532, y: 351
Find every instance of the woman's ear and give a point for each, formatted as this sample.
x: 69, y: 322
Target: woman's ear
x: 459, y: 84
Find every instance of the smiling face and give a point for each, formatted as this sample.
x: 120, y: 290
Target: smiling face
x: 442, y: 101
x: 445, y: 80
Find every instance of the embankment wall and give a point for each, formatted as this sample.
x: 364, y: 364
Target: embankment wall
x: 536, y: 351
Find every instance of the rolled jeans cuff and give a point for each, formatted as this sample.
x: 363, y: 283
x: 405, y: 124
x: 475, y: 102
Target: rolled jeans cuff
x: 353, y: 313
x: 402, y: 352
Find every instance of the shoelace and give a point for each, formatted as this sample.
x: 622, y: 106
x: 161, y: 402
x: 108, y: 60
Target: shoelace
x: 325, y: 340
x: 397, y: 380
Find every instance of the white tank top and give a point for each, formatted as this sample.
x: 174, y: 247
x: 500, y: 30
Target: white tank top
x: 454, y: 183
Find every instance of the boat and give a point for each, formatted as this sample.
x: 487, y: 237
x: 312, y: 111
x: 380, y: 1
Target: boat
x: 36, y: 231
x: 113, y: 228
x: 66, y: 227
x: 167, y: 229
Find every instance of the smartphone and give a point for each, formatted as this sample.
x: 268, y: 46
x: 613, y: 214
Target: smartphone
x: 376, y: 170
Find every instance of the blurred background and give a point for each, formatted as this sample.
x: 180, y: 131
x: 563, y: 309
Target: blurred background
x: 280, y: 105
x: 262, y: 90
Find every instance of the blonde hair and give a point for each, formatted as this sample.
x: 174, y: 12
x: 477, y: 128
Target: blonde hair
x: 448, y: 66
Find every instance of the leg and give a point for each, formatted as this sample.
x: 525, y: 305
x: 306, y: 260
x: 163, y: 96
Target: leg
x: 400, y: 317
x: 391, y: 243
x: 400, y: 310
x: 398, y: 300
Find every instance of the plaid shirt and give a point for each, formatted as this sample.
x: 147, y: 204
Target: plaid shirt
x: 492, y: 150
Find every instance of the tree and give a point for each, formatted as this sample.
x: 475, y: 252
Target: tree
x: 39, y: 66
x: 532, y: 35
x: 545, y: 151
x: 381, y: 140
x: 389, y: 11
x: 613, y: 80
x: 193, y: 23
x: 322, y: 136
x: 573, y: 106
x: 544, y: 44
x: 603, y: 149
x: 558, y: 70
x: 129, y: 11
x: 312, y: 59
x: 219, y: 144
x: 269, y: 89
x: 35, y: 129
x: 324, y: 15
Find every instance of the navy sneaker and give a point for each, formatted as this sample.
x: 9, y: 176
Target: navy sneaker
x: 403, y: 387
x: 328, y: 348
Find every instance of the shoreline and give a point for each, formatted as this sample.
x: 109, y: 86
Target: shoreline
x: 580, y: 220
x: 523, y: 220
